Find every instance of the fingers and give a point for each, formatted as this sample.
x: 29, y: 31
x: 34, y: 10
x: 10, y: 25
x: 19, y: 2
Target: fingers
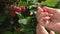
x: 52, y: 32
x: 44, y: 21
x: 43, y: 17
x: 39, y: 11
x: 41, y: 29
x: 51, y: 10
x: 40, y: 16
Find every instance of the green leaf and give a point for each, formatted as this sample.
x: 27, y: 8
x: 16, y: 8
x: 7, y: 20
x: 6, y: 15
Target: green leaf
x: 51, y: 3
x: 22, y: 3
x: 24, y: 21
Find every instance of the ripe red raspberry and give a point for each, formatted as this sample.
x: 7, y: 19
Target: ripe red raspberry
x: 23, y: 8
x: 12, y: 8
x: 13, y: 14
x: 44, y: 10
x: 18, y: 9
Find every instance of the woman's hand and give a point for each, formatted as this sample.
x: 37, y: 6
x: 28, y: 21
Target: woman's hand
x: 53, y: 22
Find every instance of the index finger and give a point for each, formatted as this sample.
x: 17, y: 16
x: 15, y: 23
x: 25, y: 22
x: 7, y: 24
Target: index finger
x: 39, y: 11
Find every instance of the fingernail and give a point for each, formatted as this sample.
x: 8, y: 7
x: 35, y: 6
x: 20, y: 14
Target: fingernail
x: 47, y: 17
x: 51, y: 14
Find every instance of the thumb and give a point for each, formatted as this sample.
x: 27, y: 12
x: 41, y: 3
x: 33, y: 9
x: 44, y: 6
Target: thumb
x: 51, y: 10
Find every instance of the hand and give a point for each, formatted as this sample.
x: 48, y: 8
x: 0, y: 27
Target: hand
x: 54, y: 20
x: 41, y: 30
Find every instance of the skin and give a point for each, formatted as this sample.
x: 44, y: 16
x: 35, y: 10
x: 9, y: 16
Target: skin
x: 53, y: 23
x: 41, y: 30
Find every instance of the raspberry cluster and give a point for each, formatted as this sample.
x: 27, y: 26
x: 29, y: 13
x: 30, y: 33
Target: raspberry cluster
x: 17, y: 9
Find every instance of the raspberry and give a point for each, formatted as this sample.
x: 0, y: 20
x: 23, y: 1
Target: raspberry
x: 12, y: 8
x: 13, y: 14
x: 44, y: 10
x: 18, y: 9
x: 21, y: 9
